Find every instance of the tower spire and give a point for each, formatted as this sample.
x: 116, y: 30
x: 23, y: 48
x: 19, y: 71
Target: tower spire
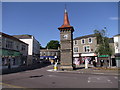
x: 65, y: 9
x: 66, y: 22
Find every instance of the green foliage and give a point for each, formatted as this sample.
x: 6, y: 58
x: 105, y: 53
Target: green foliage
x: 103, y: 43
x: 53, y: 44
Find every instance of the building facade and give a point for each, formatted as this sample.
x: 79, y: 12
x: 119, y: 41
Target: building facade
x: 47, y: 54
x: 13, y: 52
x: 33, y: 48
x: 117, y: 49
x: 85, y: 46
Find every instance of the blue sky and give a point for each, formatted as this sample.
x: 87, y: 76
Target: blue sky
x: 42, y: 19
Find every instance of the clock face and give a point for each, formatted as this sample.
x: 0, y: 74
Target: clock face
x: 65, y: 36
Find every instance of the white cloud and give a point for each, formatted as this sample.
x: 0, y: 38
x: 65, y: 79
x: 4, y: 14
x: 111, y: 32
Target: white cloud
x: 114, y: 18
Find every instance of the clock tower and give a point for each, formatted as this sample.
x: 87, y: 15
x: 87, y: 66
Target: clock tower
x: 66, y: 43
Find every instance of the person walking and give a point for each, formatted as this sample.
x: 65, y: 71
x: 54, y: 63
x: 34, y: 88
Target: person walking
x: 101, y: 62
x: 94, y: 63
x: 9, y: 64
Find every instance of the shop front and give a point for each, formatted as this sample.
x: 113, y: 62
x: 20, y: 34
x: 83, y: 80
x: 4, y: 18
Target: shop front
x: 91, y: 57
x: 104, y: 60
x: 10, y: 58
x: 117, y: 58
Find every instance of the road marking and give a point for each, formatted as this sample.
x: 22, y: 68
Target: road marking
x: 9, y: 85
x: 116, y: 77
x: 50, y: 70
x: 98, y: 73
x: 88, y: 81
x: 99, y: 79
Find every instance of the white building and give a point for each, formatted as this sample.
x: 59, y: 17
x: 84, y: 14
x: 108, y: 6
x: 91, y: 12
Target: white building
x: 117, y: 49
x: 33, y: 47
x: 13, y: 52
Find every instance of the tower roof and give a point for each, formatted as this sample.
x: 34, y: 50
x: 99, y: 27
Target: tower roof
x: 66, y: 22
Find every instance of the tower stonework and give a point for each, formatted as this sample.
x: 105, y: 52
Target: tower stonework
x: 66, y: 43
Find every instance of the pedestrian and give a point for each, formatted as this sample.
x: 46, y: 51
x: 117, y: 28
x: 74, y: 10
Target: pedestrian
x: 9, y: 65
x: 86, y: 62
x: 107, y: 62
x: 94, y: 63
x: 101, y: 62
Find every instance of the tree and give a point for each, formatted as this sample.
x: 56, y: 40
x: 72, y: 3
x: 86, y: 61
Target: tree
x: 53, y: 44
x: 42, y: 47
x: 103, y: 43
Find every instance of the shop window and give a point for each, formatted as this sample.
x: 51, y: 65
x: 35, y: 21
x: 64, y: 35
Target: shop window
x: 14, y: 61
x: 4, y: 62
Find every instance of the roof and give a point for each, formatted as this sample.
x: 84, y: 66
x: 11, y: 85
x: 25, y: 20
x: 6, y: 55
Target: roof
x: 117, y: 35
x: 11, y: 37
x: 50, y: 50
x: 26, y: 36
x: 66, y: 23
x: 86, y: 36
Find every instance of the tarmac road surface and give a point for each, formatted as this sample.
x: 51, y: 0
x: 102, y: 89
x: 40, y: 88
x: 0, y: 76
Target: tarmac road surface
x: 42, y: 78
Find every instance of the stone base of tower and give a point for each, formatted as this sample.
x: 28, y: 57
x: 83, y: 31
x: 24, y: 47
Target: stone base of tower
x: 66, y: 67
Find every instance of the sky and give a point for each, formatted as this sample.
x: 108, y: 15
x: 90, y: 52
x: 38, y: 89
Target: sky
x: 42, y: 19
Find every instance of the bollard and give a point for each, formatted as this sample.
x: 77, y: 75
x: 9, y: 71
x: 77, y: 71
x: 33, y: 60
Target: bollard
x: 55, y: 67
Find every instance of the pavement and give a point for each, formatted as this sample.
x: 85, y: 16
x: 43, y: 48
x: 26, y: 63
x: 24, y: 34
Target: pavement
x: 24, y: 68
x: 80, y: 69
x: 91, y: 70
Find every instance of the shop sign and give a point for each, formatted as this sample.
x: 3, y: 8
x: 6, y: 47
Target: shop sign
x: 103, y: 56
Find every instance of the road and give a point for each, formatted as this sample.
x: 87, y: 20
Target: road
x: 41, y: 78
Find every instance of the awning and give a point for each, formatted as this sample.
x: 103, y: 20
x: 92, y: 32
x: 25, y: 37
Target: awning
x: 9, y: 53
x: 117, y: 55
x: 88, y: 54
x: 76, y: 55
x: 46, y: 56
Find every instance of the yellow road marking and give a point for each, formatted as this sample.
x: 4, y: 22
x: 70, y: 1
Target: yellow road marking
x: 11, y: 85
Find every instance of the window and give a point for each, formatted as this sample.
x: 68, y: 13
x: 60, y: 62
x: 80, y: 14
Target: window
x: 75, y: 49
x: 86, y: 48
x: 17, y: 47
x: 9, y: 44
x: 75, y: 42
x: 89, y: 40
x: 14, y: 63
x: 4, y: 62
x: 23, y: 48
x: 83, y: 41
